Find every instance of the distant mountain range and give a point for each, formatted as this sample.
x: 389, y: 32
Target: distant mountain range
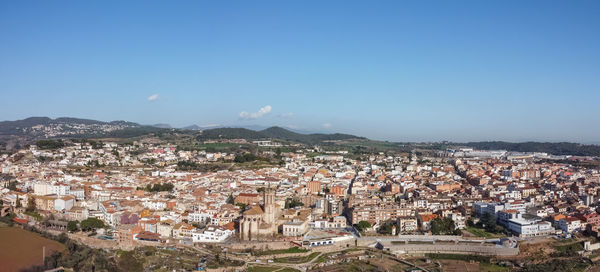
x: 272, y: 133
x: 33, y: 125
x: 14, y: 134
x: 197, y: 127
x: 161, y: 126
x: 192, y: 127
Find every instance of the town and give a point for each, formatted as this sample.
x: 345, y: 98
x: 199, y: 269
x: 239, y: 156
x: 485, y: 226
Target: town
x: 258, y: 199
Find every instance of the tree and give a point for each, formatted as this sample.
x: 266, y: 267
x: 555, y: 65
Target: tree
x: 386, y: 228
x: 50, y: 144
x: 292, y: 203
x: 30, y: 204
x: 12, y: 186
x: 72, y: 226
x: 230, y: 199
x: 159, y: 187
x: 247, y: 157
x: 363, y: 225
x: 91, y: 223
x: 488, y: 221
x: 242, y: 206
x: 442, y: 226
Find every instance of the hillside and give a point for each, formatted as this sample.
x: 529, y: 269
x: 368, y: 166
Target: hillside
x: 272, y: 133
x: 30, y: 125
x: 284, y: 134
x: 15, y: 134
x: 230, y: 133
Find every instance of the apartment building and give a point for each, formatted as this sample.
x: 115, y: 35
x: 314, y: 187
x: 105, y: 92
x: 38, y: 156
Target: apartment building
x: 379, y: 212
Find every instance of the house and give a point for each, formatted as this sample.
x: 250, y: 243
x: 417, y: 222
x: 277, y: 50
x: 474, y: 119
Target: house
x: 591, y: 219
x: 569, y: 224
x: 165, y: 228
x: 77, y: 214
x: 147, y: 236
x: 126, y: 232
x: 10, y: 199
x: 64, y: 203
x: 246, y: 198
x: 337, y: 222
x: 149, y: 225
x: 295, y: 227
x: 226, y: 215
x: 182, y: 230
x: 425, y: 221
x: 407, y: 224
x: 214, y: 234
x: 45, y: 202
x: 198, y: 217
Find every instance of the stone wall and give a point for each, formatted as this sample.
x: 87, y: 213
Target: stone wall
x: 260, y: 245
x: 451, y: 249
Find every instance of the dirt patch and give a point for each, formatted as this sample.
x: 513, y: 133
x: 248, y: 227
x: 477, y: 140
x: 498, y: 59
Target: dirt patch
x: 22, y: 249
x: 459, y: 266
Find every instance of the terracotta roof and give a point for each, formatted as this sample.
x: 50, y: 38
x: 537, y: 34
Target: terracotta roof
x: 255, y: 210
x: 20, y: 220
x: 229, y: 226
x: 428, y: 217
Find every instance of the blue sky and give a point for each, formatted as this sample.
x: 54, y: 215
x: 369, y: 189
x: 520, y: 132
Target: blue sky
x: 390, y: 70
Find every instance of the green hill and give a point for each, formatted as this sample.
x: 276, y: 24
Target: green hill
x: 271, y: 133
x: 230, y: 133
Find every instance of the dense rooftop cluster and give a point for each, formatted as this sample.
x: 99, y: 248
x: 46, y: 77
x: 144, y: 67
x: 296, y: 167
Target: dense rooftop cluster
x: 144, y: 191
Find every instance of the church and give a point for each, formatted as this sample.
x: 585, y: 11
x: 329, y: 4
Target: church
x: 261, y: 221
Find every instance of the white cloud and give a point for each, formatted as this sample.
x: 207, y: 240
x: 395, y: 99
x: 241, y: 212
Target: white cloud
x: 326, y: 125
x: 153, y: 97
x: 253, y: 115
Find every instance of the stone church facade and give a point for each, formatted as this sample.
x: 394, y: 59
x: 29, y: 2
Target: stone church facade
x: 260, y: 221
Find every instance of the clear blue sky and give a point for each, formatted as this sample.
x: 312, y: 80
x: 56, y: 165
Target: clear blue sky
x: 391, y: 70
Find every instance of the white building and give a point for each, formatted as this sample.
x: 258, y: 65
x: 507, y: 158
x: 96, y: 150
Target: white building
x: 529, y: 228
x: 155, y: 205
x: 212, y: 234
x: 407, y: 224
x: 60, y: 189
x: 78, y: 193
x: 64, y: 203
x: 41, y: 189
x: 295, y: 227
x: 569, y: 224
x: 198, y: 217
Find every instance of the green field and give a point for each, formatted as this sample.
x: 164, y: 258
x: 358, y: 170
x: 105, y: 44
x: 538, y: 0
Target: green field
x: 492, y: 268
x: 482, y: 233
